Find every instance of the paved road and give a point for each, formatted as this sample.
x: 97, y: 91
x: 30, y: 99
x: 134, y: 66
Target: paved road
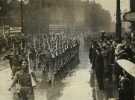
x: 5, y: 84
x: 74, y: 86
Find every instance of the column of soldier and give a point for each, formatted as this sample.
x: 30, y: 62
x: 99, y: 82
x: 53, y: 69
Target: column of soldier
x: 53, y: 45
x: 103, y: 54
x: 32, y: 53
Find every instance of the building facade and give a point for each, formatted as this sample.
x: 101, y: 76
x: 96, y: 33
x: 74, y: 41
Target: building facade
x: 132, y: 8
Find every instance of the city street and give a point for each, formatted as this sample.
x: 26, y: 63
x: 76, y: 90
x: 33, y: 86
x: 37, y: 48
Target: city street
x: 67, y: 49
x: 76, y: 82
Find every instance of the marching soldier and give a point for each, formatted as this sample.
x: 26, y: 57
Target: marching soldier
x: 13, y: 62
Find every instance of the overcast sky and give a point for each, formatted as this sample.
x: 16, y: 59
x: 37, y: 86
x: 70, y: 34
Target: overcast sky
x: 111, y: 5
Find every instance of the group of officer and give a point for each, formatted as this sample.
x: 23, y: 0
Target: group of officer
x: 103, y: 54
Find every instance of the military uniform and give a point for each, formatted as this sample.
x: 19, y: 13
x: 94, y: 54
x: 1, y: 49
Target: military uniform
x: 23, y: 79
x: 14, y: 63
x: 99, y: 69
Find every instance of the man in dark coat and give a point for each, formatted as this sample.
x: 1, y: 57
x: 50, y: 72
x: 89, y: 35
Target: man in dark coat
x: 99, y: 68
x: 92, y: 55
x: 90, y: 52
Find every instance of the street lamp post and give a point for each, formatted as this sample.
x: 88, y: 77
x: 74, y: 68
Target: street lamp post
x: 21, y: 15
x: 132, y: 9
x: 118, y: 21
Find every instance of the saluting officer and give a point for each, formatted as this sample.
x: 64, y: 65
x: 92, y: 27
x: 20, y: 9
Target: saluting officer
x: 23, y: 79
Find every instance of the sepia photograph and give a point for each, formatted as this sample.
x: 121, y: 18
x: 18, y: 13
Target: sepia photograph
x: 67, y: 49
